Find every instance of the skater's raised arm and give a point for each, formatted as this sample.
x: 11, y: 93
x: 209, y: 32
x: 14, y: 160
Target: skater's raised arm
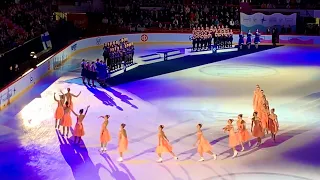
x: 74, y: 112
x: 85, y: 113
x: 62, y: 93
x: 76, y: 95
x: 54, y: 97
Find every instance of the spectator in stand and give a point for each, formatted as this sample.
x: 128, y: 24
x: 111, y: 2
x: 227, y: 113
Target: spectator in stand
x: 231, y: 23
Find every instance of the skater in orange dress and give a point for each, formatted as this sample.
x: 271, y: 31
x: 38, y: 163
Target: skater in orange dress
x: 260, y: 104
x: 66, y: 120
x: 273, y: 124
x: 123, y: 141
x: 59, y: 111
x: 233, y: 137
x: 264, y: 118
x: 163, y: 145
x: 256, y: 96
x: 69, y: 96
x: 79, y: 129
x: 256, y: 128
x: 203, y: 144
x: 105, y: 135
x: 243, y: 133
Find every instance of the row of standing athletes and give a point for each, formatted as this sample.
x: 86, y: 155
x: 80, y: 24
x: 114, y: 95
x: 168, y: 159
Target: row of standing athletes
x: 263, y: 121
x: 115, y: 54
x: 202, y: 38
x: 222, y: 38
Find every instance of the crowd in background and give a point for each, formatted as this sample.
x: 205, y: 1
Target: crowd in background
x: 282, y: 4
x: 172, y: 16
x: 23, y: 21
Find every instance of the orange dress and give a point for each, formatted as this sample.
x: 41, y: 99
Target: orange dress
x: 163, y: 145
x: 123, y: 142
x: 257, y: 128
x: 78, y: 129
x: 233, y: 137
x: 104, y: 135
x: 256, y: 99
x: 204, y: 145
x: 264, y: 117
x: 66, y: 120
x: 243, y: 133
x: 273, y: 123
x: 59, y: 111
x: 260, y: 106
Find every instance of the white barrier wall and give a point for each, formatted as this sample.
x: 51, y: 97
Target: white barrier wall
x: 9, y: 93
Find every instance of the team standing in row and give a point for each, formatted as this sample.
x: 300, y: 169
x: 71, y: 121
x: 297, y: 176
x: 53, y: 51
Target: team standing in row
x: 222, y: 38
x: 263, y: 121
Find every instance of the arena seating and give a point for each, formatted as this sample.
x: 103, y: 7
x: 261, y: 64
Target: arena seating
x: 24, y: 21
x: 168, y: 16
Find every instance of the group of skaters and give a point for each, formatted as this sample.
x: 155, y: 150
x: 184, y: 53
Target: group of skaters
x: 202, y: 38
x: 248, y: 42
x: 115, y: 54
x: 263, y: 121
x: 221, y: 37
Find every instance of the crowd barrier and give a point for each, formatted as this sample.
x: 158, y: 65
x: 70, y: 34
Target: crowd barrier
x: 25, y: 82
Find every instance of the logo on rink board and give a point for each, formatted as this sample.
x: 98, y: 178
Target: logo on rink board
x: 144, y: 37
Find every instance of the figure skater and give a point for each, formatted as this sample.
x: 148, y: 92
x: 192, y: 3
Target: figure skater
x: 88, y: 72
x: 256, y: 97
x: 249, y: 36
x: 79, y: 129
x: 69, y: 96
x: 243, y: 133
x: 163, y: 145
x: 264, y: 112
x: 203, y: 144
x: 241, y: 41
x: 257, y: 38
x: 66, y: 120
x: 233, y: 137
x: 256, y: 128
x: 93, y: 73
x: 273, y: 124
x: 104, y: 135
x: 59, y: 111
x: 83, y: 71
x: 123, y: 141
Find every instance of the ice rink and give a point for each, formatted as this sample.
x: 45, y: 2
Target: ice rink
x: 31, y: 148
